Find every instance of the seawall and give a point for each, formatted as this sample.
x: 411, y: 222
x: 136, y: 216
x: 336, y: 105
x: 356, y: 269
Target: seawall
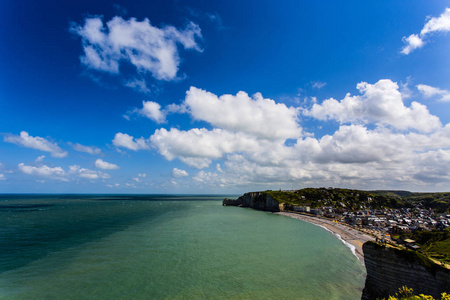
x: 388, y: 269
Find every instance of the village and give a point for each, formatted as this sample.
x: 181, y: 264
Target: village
x: 385, y: 223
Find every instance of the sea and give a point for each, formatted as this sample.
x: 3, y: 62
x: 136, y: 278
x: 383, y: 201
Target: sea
x: 166, y: 247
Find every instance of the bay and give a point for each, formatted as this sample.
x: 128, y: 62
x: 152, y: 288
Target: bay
x: 165, y: 247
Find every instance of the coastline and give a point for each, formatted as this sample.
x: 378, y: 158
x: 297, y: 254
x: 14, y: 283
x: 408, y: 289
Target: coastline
x: 348, y: 235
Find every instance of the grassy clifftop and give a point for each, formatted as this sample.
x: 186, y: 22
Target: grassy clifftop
x: 356, y: 199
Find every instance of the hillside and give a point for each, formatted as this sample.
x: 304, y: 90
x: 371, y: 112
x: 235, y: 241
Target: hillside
x: 353, y: 200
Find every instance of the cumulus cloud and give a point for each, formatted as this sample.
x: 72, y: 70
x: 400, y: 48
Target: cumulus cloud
x: 86, y: 173
x: 354, y: 156
x: 380, y: 143
x: 127, y: 141
x: 429, y: 91
x: 435, y: 24
x: 380, y: 103
x: 87, y: 149
x: 353, y: 144
x: 152, y: 110
x: 412, y: 42
x: 148, y: 48
x: 197, y: 147
x: 44, y: 171
x: 101, y: 164
x: 179, y: 173
x: 39, y: 143
x: 256, y: 116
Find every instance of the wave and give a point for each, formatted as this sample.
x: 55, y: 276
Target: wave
x: 352, y: 248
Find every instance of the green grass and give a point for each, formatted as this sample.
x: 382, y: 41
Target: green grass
x: 440, y: 250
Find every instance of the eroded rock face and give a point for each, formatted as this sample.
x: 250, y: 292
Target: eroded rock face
x: 257, y: 200
x: 231, y: 202
x: 389, y: 269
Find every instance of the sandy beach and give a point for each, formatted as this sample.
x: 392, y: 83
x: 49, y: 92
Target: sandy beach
x: 349, y: 235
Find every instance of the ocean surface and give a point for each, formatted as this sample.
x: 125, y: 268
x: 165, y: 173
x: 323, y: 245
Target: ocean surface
x: 165, y: 247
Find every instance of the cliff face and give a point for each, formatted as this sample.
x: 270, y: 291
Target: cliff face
x: 257, y: 200
x: 389, y: 269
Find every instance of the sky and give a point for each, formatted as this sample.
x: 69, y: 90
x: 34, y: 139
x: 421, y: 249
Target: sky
x: 226, y: 97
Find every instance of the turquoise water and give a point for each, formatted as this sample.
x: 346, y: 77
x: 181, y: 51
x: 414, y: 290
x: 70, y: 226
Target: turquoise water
x: 161, y: 247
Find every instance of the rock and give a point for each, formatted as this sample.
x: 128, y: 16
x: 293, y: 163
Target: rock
x: 231, y: 202
x: 389, y: 269
x: 256, y: 200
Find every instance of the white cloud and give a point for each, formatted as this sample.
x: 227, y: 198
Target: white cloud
x: 136, y: 179
x: 353, y: 156
x: 429, y: 91
x: 381, y: 143
x: 353, y: 144
x: 255, y: 116
x: 380, y: 103
x: 441, y: 23
x: 263, y: 118
x: 101, y: 164
x: 126, y: 141
x: 142, y: 175
x: 318, y: 84
x: 152, y: 110
x: 412, y: 43
x: 197, y: 147
x: 179, y: 173
x: 86, y: 173
x: 206, y: 177
x: 39, y: 143
x: 436, y: 24
x: 87, y: 149
x: 2, y: 177
x: 138, y: 84
x: 44, y: 171
x: 40, y: 158
x: 148, y: 48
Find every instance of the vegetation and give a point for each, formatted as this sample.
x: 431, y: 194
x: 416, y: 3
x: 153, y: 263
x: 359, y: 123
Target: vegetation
x: 353, y: 200
x: 435, y: 244
x: 348, y: 199
x: 414, y: 257
x: 439, y: 202
x: 405, y: 293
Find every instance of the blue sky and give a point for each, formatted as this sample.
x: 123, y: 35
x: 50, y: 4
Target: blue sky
x: 223, y: 96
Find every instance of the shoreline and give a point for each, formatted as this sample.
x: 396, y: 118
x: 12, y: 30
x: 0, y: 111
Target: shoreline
x: 347, y: 235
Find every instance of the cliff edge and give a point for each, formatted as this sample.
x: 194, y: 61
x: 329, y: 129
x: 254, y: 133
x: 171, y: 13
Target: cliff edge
x: 388, y: 269
x: 256, y: 200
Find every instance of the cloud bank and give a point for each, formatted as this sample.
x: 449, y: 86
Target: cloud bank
x: 379, y: 142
